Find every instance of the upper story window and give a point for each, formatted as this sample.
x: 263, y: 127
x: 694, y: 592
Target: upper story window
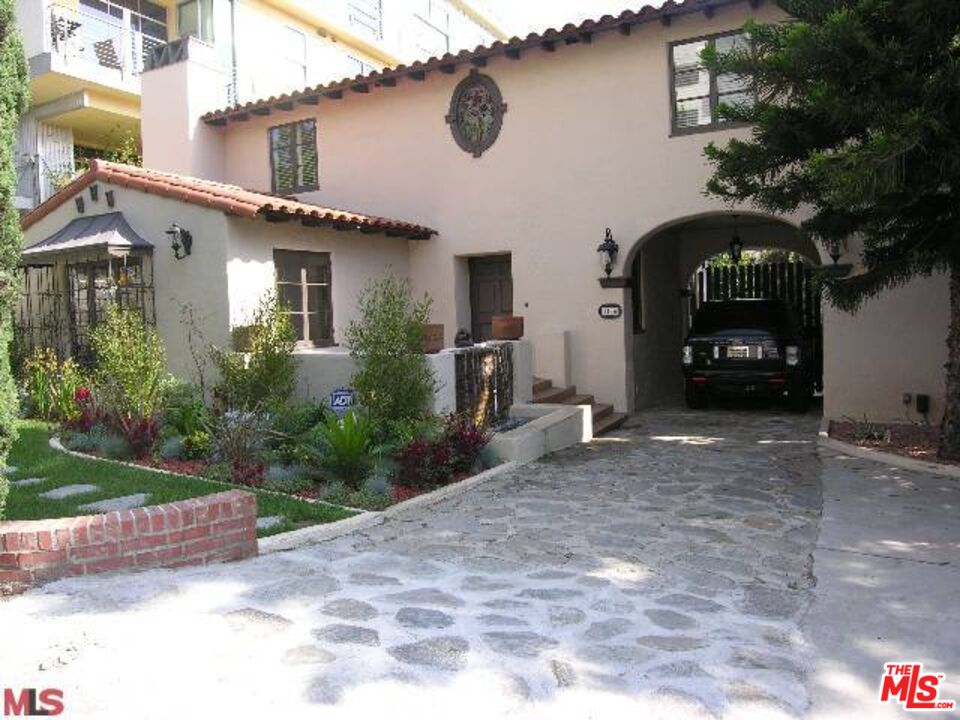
x: 293, y: 157
x: 303, y: 288
x: 294, y: 54
x: 195, y: 18
x: 355, y: 66
x: 366, y: 16
x: 697, y: 92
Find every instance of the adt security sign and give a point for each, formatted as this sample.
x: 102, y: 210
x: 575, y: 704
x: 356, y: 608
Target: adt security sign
x: 341, y: 400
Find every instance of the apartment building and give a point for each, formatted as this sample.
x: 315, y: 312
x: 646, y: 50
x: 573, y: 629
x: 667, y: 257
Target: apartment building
x: 86, y: 58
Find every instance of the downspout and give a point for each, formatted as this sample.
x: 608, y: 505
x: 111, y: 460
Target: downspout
x: 234, y: 89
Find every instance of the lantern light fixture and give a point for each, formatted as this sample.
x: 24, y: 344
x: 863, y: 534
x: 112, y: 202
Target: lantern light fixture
x: 608, y: 250
x: 180, y: 239
x: 834, y: 250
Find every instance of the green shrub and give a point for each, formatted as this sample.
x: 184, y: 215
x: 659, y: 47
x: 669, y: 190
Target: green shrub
x: 364, y: 498
x: 293, y: 440
x: 394, y: 381
x: 197, y: 445
x: 266, y: 375
x: 183, y: 410
x: 131, y: 375
x: 50, y: 386
x: 172, y: 448
x: 115, y: 447
x: 347, y: 448
x: 288, y: 479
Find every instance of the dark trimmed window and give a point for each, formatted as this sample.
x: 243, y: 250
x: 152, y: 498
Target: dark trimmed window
x: 303, y: 288
x: 697, y: 92
x: 195, y: 18
x: 293, y: 157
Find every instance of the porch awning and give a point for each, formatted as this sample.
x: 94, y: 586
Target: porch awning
x: 110, y: 232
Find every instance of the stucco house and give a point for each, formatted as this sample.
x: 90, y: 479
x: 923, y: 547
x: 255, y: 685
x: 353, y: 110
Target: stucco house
x: 507, y: 164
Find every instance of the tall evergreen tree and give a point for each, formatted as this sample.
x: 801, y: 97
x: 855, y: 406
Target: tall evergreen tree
x: 857, y: 118
x: 14, y: 92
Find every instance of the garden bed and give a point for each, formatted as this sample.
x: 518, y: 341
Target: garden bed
x: 34, y: 459
x: 918, y: 442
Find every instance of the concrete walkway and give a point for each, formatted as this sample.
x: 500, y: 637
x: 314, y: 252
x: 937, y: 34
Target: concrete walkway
x: 662, y: 572
x: 888, y: 584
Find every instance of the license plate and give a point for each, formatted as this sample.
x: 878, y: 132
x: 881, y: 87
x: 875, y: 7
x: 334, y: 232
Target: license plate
x: 738, y: 351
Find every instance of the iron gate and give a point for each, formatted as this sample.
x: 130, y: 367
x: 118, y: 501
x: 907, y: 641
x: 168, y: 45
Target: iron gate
x: 793, y: 282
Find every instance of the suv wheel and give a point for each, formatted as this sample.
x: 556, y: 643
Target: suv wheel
x: 695, y: 396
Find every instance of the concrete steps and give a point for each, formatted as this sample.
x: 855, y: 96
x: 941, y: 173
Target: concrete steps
x: 604, y: 418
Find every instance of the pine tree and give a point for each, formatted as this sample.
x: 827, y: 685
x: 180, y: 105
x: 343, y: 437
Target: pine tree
x: 14, y: 92
x: 857, y: 118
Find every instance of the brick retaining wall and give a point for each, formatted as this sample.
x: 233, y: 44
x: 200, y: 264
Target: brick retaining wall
x: 213, y: 528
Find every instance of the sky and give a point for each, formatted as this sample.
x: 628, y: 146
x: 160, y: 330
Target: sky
x: 520, y: 17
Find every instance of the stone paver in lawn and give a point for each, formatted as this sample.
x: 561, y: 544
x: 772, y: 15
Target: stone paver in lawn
x: 269, y: 522
x: 66, y: 491
x: 27, y: 482
x: 127, y: 502
x: 666, y: 567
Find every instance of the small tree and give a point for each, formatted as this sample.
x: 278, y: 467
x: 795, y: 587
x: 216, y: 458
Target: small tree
x: 857, y: 117
x: 267, y: 374
x: 131, y: 374
x: 14, y: 93
x: 394, y: 381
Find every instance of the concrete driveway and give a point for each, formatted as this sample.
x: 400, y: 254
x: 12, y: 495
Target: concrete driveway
x: 663, y: 572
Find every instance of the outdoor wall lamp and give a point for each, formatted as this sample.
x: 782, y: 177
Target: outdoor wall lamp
x: 608, y: 250
x: 736, y: 244
x: 180, y: 239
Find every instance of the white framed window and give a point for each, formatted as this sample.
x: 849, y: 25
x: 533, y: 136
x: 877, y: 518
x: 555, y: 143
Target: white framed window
x: 294, y: 55
x: 696, y: 91
x: 195, y: 18
x: 367, y: 17
x: 303, y: 288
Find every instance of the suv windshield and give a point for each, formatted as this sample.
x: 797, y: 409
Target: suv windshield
x: 717, y: 317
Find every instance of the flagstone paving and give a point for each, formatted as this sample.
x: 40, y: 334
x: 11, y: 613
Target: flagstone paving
x: 66, y: 491
x: 127, y: 502
x: 666, y: 567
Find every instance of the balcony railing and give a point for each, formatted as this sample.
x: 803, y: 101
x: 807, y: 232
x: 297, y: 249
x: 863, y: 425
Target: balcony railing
x: 80, y: 35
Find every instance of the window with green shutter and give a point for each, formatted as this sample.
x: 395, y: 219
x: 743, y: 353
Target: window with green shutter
x: 293, y: 157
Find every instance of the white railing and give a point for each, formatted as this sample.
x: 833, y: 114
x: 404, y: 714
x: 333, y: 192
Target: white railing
x: 78, y: 34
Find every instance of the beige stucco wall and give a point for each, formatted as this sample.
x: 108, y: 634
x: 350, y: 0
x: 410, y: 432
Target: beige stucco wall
x: 355, y: 259
x: 585, y: 145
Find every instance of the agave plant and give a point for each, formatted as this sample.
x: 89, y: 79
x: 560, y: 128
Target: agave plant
x: 348, y: 447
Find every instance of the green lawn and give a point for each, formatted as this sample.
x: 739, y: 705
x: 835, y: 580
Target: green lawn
x: 33, y: 457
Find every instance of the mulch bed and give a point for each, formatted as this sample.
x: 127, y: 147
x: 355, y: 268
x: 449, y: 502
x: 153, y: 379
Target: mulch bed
x: 914, y: 441
x: 184, y: 467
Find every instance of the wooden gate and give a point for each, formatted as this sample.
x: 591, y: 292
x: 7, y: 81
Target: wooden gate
x: 790, y: 281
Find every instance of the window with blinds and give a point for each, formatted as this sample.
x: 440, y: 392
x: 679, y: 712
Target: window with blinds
x: 294, y: 157
x: 697, y: 92
x: 303, y: 288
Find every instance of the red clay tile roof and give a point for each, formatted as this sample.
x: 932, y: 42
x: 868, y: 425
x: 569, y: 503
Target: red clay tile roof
x: 231, y: 199
x: 547, y: 40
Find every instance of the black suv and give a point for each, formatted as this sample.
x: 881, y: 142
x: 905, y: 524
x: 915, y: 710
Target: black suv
x: 748, y: 348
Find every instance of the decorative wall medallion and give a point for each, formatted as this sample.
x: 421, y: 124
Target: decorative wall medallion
x: 476, y: 113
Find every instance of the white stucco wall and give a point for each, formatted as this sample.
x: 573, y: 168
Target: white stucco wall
x: 355, y: 259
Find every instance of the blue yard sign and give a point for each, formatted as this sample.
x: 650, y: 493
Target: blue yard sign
x: 341, y: 400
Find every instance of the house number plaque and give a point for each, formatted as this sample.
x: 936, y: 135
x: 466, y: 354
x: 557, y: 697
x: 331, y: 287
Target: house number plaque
x: 610, y: 311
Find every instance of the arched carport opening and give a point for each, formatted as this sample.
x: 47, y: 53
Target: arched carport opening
x: 661, y: 266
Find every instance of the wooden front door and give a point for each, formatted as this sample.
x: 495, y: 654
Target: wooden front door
x: 491, y: 293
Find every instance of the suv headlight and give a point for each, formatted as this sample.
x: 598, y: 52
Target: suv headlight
x: 687, y: 355
x: 793, y: 355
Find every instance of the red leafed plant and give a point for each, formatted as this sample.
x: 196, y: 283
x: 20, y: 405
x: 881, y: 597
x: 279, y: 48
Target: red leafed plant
x: 466, y: 440
x: 141, y: 433
x: 403, y: 492
x: 425, y: 463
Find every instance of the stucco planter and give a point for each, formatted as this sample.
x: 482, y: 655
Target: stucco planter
x: 433, y: 339
x: 507, y: 327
